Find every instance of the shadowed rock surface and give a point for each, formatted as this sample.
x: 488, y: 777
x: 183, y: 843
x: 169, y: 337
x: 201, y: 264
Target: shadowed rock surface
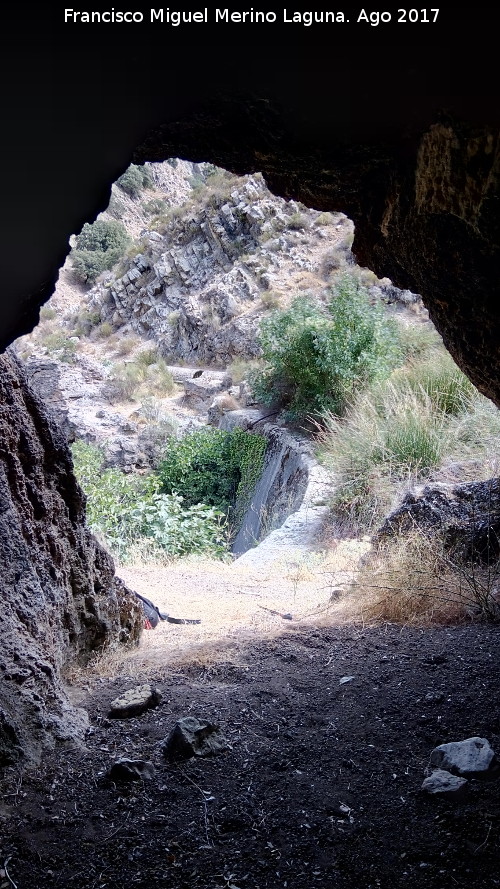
x: 59, y: 602
x: 467, y: 516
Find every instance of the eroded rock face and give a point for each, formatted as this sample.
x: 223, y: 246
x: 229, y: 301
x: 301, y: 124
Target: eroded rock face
x: 466, y: 516
x: 59, y: 601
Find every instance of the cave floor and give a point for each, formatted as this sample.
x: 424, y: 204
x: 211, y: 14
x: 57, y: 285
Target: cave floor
x: 329, y: 725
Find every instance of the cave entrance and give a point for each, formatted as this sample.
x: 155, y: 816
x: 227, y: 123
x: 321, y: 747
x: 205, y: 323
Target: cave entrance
x: 200, y: 304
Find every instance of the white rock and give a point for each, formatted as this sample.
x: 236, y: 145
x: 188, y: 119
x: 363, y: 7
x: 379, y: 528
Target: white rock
x: 443, y: 783
x: 474, y: 756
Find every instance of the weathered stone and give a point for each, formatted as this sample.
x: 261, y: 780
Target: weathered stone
x: 58, y: 599
x: 193, y: 737
x: 472, y: 758
x: 467, y: 516
x: 134, y: 702
x: 131, y: 770
x: 442, y: 783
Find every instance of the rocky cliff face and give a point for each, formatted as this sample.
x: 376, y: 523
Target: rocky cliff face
x: 204, y: 279
x: 59, y: 601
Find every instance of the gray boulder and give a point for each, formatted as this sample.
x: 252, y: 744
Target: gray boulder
x: 193, y: 737
x: 442, y: 783
x: 471, y: 758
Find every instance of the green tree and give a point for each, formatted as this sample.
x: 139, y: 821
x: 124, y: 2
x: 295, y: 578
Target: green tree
x: 317, y: 357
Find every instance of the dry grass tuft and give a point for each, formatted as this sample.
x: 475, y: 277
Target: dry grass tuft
x: 413, y: 580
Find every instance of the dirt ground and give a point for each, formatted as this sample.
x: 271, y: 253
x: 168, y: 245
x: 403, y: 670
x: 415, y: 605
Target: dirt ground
x: 329, y: 727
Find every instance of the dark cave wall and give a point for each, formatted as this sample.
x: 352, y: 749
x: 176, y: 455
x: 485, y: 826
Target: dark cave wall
x: 58, y: 598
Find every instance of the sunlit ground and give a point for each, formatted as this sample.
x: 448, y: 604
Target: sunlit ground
x: 235, y: 604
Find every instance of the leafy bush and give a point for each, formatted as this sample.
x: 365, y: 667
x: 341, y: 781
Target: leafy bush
x: 98, y: 248
x: 318, y: 358
x: 47, y: 313
x: 155, y: 207
x: 102, y: 236
x: 135, y: 179
x: 127, y: 509
x: 214, y: 467
x: 59, y: 344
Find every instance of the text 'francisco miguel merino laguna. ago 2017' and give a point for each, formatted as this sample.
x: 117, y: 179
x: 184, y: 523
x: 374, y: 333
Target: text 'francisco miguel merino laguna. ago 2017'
x: 251, y: 16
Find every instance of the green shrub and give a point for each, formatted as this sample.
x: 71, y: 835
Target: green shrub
x: 140, y: 377
x: 147, y: 357
x: 86, y: 321
x: 159, y: 379
x: 297, y: 222
x: 125, y: 345
x: 135, y: 179
x: 125, y: 510
x: 98, y: 248
x: 62, y: 347
x: 47, y: 313
x: 155, y: 207
x: 102, y: 236
x: 123, y: 382
x: 104, y: 330
x: 324, y: 219
x: 214, y: 467
x: 317, y: 358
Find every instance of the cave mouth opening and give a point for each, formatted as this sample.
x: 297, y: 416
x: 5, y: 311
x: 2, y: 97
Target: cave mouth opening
x: 152, y: 335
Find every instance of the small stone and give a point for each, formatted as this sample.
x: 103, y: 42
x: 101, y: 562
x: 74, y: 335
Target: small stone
x: 433, y: 697
x: 444, y: 784
x: 345, y: 679
x: 193, y: 737
x: 134, y: 702
x: 131, y: 770
x: 473, y: 757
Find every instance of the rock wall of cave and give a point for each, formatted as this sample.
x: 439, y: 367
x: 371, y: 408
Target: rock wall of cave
x: 59, y: 600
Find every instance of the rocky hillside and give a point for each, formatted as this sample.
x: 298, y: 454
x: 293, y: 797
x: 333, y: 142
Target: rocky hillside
x: 205, y: 273
x: 211, y: 255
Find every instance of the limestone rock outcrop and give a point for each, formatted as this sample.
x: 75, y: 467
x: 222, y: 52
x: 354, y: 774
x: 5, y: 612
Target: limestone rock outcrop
x: 201, y: 287
x: 59, y: 601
